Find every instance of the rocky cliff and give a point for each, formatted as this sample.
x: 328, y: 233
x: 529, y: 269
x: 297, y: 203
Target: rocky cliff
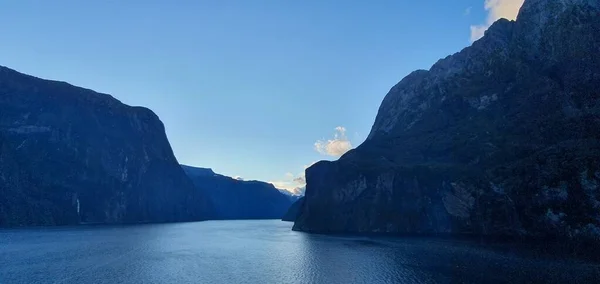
x: 70, y: 155
x: 238, y: 199
x: 502, y: 138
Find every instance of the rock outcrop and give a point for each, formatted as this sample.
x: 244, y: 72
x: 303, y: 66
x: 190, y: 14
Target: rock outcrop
x: 502, y: 138
x: 70, y: 155
x: 237, y: 199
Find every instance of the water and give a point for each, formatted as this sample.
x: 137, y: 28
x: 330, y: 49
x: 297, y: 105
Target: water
x: 262, y: 252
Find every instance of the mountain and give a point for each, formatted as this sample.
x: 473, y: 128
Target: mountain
x: 238, y: 199
x: 69, y: 155
x: 500, y: 139
x: 292, y: 213
x: 293, y: 196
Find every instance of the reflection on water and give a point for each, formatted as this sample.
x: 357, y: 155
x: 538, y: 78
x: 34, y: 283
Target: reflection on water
x: 261, y: 252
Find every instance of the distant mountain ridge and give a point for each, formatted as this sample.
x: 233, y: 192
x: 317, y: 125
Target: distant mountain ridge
x: 292, y: 196
x: 240, y: 199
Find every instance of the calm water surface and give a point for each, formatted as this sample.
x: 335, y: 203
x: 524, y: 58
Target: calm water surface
x: 262, y: 252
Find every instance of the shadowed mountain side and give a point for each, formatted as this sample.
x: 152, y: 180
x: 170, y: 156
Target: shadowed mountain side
x: 500, y: 139
x: 71, y: 155
x: 294, y: 210
x: 238, y: 199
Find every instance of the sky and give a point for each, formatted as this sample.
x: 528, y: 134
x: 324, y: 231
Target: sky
x: 257, y: 89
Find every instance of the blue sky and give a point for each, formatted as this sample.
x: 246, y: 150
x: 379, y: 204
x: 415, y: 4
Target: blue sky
x: 244, y: 87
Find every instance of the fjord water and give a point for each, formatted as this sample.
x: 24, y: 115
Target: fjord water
x: 262, y: 252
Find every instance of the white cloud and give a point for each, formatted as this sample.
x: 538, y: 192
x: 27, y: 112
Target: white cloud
x: 291, y: 186
x: 290, y: 182
x: 295, y: 184
x: 468, y: 11
x: 497, y: 9
x: 301, y: 179
x: 238, y: 178
x: 478, y: 32
x: 335, y: 147
x: 299, y: 190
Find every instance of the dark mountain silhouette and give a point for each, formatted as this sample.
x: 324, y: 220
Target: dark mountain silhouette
x: 294, y: 210
x: 502, y: 138
x: 238, y: 199
x: 71, y: 155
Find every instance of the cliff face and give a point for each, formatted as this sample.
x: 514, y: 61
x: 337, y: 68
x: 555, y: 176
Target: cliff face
x: 502, y: 138
x: 71, y: 155
x: 238, y: 199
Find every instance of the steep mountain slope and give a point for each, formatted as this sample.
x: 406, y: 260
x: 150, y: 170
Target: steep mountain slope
x: 238, y: 199
x: 71, y: 155
x: 502, y: 138
x: 292, y: 213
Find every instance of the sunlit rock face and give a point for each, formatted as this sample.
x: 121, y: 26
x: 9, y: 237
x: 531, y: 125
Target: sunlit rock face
x: 70, y: 155
x: 502, y: 138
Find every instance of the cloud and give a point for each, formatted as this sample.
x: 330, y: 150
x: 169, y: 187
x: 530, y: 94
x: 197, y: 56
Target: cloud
x: 334, y: 147
x: 290, y: 186
x: 296, y: 184
x: 238, y: 178
x: 468, y: 11
x: 290, y: 182
x: 301, y: 179
x: 299, y: 190
x: 478, y: 32
x: 497, y: 9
